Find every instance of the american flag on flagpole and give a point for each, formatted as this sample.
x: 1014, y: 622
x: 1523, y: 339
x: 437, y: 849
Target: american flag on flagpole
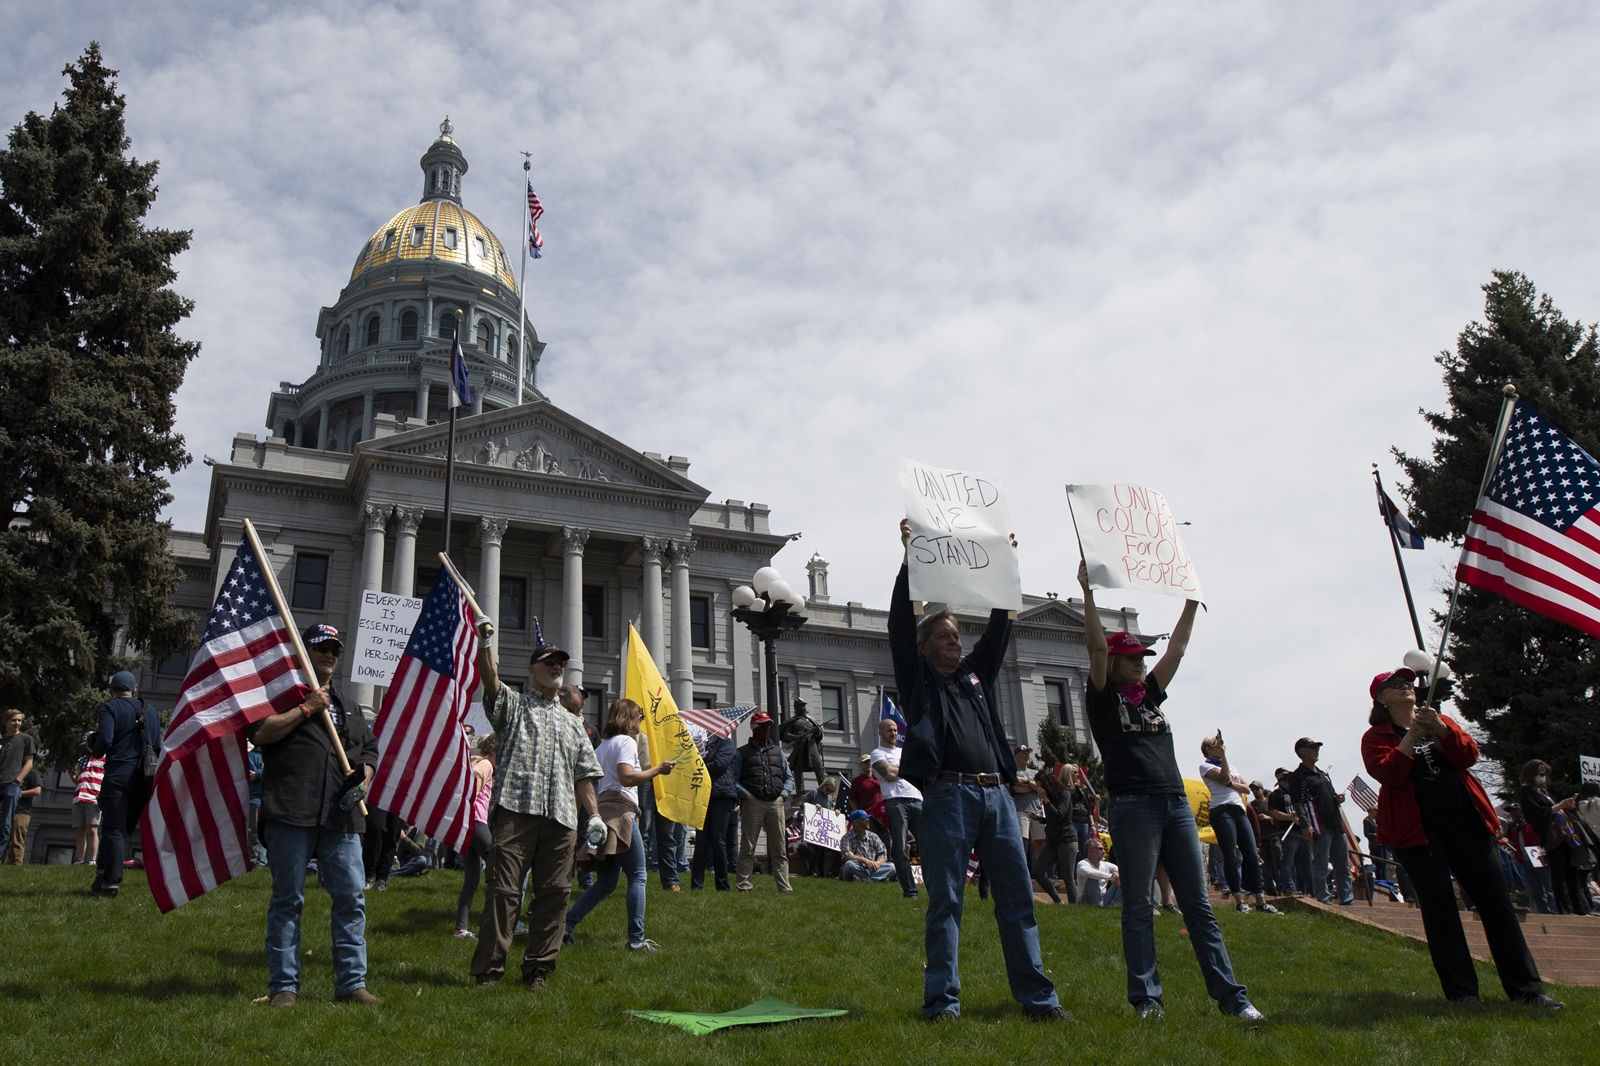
x: 719, y: 720
x: 535, y: 211
x: 1534, y: 536
x: 1362, y: 794
x: 424, y: 769
x: 244, y: 671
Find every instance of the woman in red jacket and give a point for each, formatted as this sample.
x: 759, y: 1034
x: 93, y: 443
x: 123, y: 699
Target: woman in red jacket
x: 1437, y: 818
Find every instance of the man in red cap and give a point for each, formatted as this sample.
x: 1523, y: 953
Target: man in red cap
x: 764, y: 781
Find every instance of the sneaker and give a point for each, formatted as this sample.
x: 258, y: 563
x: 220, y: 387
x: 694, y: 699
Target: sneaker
x: 1544, y: 1002
x: 521, y: 929
x: 1171, y: 908
x: 941, y: 1017
x: 466, y: 934
x: 1267, y: 908
x: 487, y: 979
x: 536, y: 982
x: 568, y: 938
x: 644, y: 945
x: 1057, y: 1013
x: 1242, y: 907
x: 1152, y: 1009
x: 369, y: 884
x: 1250, y: 1014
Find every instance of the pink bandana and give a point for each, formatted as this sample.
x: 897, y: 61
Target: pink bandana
x: 1134, y: 694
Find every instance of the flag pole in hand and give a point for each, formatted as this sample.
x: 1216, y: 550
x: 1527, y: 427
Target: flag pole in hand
x: 299, y: 647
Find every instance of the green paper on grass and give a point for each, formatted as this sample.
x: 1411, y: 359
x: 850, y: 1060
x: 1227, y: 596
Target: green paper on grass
x: 764, y: 1011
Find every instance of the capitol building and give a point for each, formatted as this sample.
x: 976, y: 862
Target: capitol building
x: 553, y: 518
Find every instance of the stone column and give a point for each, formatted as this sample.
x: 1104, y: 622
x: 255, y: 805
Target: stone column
x: 651, y: 622
x: 374, y: 519
x: 682, y: 654
x: 573, y: 539
x: 403, y: 575
x: 323, y: 410
x: 366, y: 415
x: 493, y: 531
x: 423, y: 388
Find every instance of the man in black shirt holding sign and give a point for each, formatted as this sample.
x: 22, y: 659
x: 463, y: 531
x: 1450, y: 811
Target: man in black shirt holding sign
x: 1148, y: 808
x: 957, y: 753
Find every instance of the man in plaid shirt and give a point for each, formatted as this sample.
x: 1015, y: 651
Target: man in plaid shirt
x: 545, y: 772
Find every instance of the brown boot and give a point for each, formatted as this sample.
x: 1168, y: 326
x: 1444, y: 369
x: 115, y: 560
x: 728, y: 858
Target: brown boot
x: 358, y: 995
x: 282, y: 999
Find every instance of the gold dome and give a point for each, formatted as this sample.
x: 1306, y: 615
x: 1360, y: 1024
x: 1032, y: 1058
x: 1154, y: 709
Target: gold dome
x: 427, y: 231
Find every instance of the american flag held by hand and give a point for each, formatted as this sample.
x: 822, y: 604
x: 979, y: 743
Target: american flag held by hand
x: 719, y: 720
x: 535, y: 211
x: 244, y: 671
x: 424, y: 769
x: 1534, y: 537
x: 1362, y: 794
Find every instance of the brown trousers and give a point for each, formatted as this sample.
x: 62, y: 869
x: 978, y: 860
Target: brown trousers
x: 754, y: 816
x: 17, y: 846
x: 520, y: 843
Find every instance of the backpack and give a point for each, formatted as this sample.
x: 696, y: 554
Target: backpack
x: 151, y: 755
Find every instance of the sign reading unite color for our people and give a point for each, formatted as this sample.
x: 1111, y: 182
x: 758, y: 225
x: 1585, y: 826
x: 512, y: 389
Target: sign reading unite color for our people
x: 960, y: 549
x: 1130, y: 541
x: 381, y: 635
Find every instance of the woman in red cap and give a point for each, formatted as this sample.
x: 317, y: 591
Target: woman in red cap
x: 1435, y: 815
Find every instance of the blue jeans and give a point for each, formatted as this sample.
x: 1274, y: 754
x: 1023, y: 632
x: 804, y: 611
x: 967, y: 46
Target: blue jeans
x: 342, y: 874
x: 957, y: 818
x: 1297, y: 862
x: 668, y: 834
x: 1325, y: 848
x: 1237, y: 842
x: 856, y: 871
x: 605, y: 882
x: 904, y: 814
x: 10, y: 796
x: 1540, y: 892
x: 1100, y: 894
x: 1159, y: 827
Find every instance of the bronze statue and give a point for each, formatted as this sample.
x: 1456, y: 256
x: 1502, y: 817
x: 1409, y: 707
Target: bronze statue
x: 805, y: 737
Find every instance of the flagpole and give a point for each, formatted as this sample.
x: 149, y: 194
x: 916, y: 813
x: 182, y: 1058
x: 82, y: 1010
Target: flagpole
x: 299, y: 648
x: 1394, y: 542
x: 466, y: 590
x: 450, y: 451
x: 522, y: 326
x: 1507, y: 405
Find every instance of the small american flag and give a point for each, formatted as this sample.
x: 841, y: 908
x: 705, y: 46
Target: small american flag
x: 1362, y: 794
x: 535, y: 211
x: 1534, y: 536
x: 424, y: 771
x: 244, y: 671
x: 719, y: 720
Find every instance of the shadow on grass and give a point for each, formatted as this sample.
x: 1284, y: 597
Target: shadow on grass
x: 20, y: 993
x: 166, y: 987
x: 409, y: 922
x: 1363, y: 1009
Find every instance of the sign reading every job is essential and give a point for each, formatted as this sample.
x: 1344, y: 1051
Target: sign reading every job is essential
x: 1130, y: 541
x: 960, y: 549
x: 381, y: 636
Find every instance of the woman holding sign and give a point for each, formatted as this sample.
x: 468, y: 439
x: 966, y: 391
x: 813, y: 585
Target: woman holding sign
x: 1148, y: 808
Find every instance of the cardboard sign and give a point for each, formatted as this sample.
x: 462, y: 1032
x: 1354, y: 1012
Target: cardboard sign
x: 1588, y: 768
x: 1535, y: 856
x: 823, y: 827
x: 960, y: 549
x: 381, y: 636
x: 1130, y: 541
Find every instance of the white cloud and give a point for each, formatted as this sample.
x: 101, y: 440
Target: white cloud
x: 1211, y: 248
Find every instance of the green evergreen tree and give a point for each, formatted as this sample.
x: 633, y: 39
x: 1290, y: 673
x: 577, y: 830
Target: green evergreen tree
x: 1057, y: 746
x: 89, y: 364
x: 1529, y: 682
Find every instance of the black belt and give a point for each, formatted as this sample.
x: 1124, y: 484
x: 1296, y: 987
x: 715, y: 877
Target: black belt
x: 987, y: 780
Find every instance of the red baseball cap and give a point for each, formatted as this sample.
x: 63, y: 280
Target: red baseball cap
x: 760, y: 716
x: 1126, y: 644
x: 1404, y: 674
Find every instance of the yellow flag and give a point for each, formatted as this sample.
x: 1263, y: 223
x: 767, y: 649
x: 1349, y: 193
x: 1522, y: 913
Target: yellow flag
x: 1200, y: 803
x: 684, y: 794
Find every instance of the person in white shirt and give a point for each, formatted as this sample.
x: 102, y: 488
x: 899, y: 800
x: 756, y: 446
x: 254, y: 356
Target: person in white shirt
x: 901, y: 797
x: 1099, y: 884
x: 1231, y: 822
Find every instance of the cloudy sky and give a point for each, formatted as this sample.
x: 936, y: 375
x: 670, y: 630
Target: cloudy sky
x: 1211, y: 248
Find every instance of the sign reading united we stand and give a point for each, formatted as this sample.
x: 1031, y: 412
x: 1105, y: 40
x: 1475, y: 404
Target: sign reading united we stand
x: 1130, y: 540
x: 960, y: 549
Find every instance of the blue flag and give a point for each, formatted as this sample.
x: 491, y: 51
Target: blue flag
x: 887, y: 711
x: 1403, y: 530
x: 460, y: 389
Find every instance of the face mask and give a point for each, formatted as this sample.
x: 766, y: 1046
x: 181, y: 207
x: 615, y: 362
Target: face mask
x: 761, y: 732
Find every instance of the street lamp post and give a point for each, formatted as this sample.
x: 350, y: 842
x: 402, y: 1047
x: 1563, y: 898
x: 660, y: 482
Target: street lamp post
x: 768, y: 605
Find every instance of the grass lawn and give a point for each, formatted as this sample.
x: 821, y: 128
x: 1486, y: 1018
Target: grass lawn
x: 111, y: 981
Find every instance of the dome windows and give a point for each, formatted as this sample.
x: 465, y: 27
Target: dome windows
x: 418, y: 235
x: 408, y: 323
x: 373, y: 327
x: 483, y: 248
x: 451, y: 237
x: 388, y: 241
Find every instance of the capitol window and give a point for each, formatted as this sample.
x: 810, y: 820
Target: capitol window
x: 483, y: 248
x: 449, y: 236
x: 408, y: 325
x: 418, y: 235
x: 485, y: 337
x: 388, y: 241
x: 447, y: 325
x: 372, y: 330
x: 344, y: 341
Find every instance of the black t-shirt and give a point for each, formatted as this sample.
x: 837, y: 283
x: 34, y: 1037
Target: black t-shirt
x: 1135, y: 742
x: 1438, y: 787
x: 15, y: 751
x: 29, y: 780
x: 1312, y: 788
x: 1279, y: 800
x: 967, y: 749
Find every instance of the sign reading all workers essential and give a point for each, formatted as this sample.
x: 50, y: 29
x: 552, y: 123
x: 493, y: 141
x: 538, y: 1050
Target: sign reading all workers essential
x: 1589, y: 768
x: 381, y: 636
x: 1130, y: 540
x: 823, y: 827
x: 960, y: 549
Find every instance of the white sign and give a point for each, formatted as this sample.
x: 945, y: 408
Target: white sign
x: 1130, y: 540
x: 823, y: 827
x: 1535, y: 856
x: 1588, y: 768
x: 381, y: 636
x: 960, y: 549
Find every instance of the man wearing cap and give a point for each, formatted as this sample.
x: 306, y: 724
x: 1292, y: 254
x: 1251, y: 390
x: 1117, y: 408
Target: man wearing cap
x: 1323, y: 823
x: 957, y: 753
x: 310, y: 810
x: 1294, y: 865
x: 127, y: 725
x: 544, y: 777
x: 862, y: 852
x: 764, y: 781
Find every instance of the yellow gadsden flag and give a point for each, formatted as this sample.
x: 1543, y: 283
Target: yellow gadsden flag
x: 682, y: 795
